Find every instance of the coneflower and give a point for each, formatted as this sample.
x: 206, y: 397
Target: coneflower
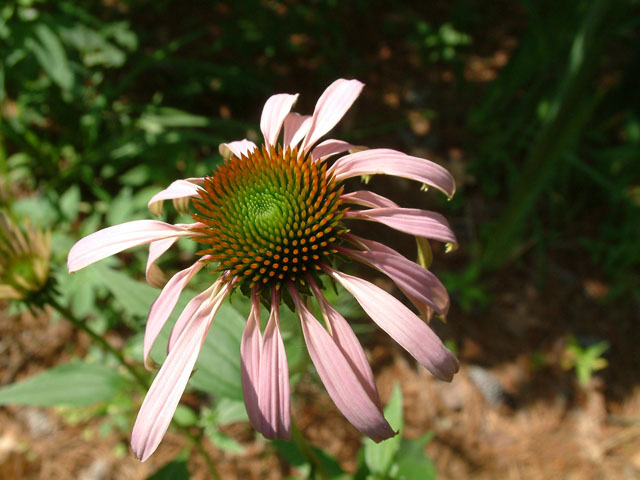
x: 272, y: 221
x: 25, y: 256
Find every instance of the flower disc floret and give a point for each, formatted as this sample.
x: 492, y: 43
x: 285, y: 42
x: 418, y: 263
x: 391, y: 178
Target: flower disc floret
x: 269, y: 216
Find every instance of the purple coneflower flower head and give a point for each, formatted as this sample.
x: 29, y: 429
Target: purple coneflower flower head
x: 271, y: 221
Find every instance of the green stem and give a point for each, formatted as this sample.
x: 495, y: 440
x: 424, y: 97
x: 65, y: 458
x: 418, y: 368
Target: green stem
x: 68, y: 315
x: 140, y: 379
x: 317, y: 468
x: 197, y: 442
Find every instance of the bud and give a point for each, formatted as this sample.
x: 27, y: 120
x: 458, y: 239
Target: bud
x: 25, y: 254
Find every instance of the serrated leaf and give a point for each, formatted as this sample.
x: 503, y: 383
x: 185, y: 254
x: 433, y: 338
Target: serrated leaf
x: 76, y: 384
x: 379, y: 456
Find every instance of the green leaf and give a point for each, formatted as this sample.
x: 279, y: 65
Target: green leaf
x: 411, y: 463
x: 121, y: 208
x: 230, y: 411
x: 225, y: 411
x: 185, y: 416
x: 224, y: 442
x: 175, y: 470
x: 133, y: 296
x: 294, y: 456
x: 37, y: 209
x: 76, y: 384
x: 51, y: 55
x: 156, y: 120
x: 69, y: 202
x: 378, y: 456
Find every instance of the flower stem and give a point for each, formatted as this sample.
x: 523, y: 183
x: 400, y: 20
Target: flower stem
x: 68, y: 315
x: 139, y: 378
x: 317, y: 468
x: 197, y: 442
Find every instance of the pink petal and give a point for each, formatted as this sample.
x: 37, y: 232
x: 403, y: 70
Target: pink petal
x: 419, y: 285
x: 413, y: 221
x: 330, y: 147
x: 164, y: 394
x: 273, y: 114
x: 237, y: 148
x: 338, y: 376
x: 111, y: 240
x: 163, y: 306
x: 331, y: 107
x: 154, y: 275
x: 368, y: 199
x: 273, y: 394
x: 296, y: 127
x: 348, y: 344
x: 190, y: 310
x: 250, y: 354
x: 391, y: 162
x: 178, y: 189
x: 402, y: 325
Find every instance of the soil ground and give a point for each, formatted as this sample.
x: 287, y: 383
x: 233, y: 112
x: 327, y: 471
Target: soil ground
x: 499, y: 418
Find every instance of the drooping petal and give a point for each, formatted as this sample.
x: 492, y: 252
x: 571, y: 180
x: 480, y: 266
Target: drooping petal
x: 237, y: 148
x: 273, y: 114
x: 330, y: 147
x: 163, y: 306
x: 111, y: 240
x: 250, y: 354
x: 296, y: 127
x: 178, y: 189
x: 382, y: 161
x: 348, y: 344
x: 331, y: 107
x: 191, y: 309
x: 338, y: 376
x: 368, y: 199
x: 274, y: 394
x: 402, y: 325
x: 164, y: 394
x: 413, y: 221
x: 154, y: 275
x: 419, y: 285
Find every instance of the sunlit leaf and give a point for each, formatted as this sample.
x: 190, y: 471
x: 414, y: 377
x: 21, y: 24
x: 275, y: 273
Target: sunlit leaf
x: 411, y: 463
x: 75, y: 384
x: 379, y: 456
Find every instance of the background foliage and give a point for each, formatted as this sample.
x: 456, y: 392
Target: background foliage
x: 102, y: 103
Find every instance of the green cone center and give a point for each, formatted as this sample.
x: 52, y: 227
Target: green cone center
x: 269, y: 217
